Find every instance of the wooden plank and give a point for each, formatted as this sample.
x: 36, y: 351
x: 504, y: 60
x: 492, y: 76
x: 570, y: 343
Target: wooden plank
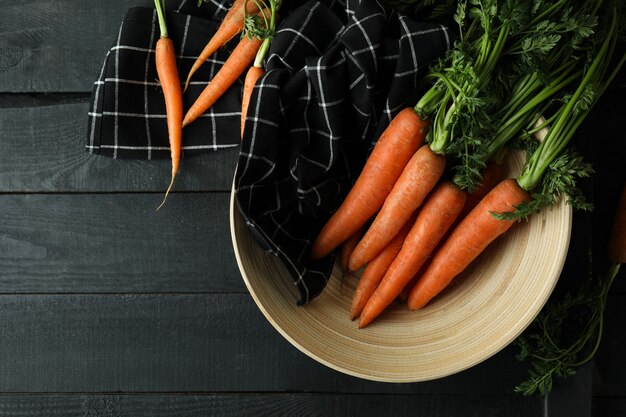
x: 184, y: 343
x: 270, y: 405
x: 609, y: 406
x: 43, y: 150
x: 116, y: 243
x: 57, y: 46
x: 571, y: 397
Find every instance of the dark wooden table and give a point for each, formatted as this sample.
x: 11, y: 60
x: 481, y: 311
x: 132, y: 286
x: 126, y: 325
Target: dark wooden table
x: 108, y: 308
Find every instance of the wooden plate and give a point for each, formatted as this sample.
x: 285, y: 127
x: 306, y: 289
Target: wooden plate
x: 482, y: 311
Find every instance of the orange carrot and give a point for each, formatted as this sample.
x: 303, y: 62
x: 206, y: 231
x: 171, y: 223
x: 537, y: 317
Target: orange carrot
x: 491, y: 175
x: 439, y: 212
x: 375, y: 271
x: 238, y: 61
x: 418, y: 178
x: 232, y: 24
x: 475, y: 232
x: 253, y: 75
x: 404, y: 295
x: 346, y: 249
x: 395, y: 147
x: 165, y: 58
x: 617, y: 237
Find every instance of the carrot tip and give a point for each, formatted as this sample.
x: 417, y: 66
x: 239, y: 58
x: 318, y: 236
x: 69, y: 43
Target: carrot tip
x: 363, y: 323
x: 166, y: 193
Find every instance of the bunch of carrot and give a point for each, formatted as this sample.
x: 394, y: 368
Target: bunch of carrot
x: 473, y: 110
x: 256, y: 20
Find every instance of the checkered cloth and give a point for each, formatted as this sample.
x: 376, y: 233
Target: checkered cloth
x: 336, y: 75
x: 127, y: 115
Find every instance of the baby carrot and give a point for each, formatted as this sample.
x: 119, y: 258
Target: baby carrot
x: 475, y: 232
x: 395, y: 147
x: 417, y: 180
x: 346, y: 249
x: 491, y: 175
x: 439, y: 212
x: 253, y: 75
x: 165, y: 57
x: 374, y: 272
x: 232, y: 24
x: 238, y: 61
x: 257, y: 70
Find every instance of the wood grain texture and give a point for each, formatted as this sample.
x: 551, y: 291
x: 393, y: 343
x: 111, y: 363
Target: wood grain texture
x: 182, y: 343
x: 609, y: 406
x: 483, y: 310
x: 43, y: 150
x: 116, y: 243
x: 266, y: 405
x: 56, y: 46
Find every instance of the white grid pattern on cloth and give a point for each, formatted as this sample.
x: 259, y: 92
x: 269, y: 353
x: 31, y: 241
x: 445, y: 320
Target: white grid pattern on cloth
x: 333, y: 82
x: 127, y: 117
x: 313, y: 117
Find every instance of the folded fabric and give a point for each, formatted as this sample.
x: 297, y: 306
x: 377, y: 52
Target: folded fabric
x: 337, y: 73
x: 127, y: 114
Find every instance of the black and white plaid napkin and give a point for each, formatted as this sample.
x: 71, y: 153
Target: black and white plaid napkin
x: 127, y: 115
x: 337, y: 73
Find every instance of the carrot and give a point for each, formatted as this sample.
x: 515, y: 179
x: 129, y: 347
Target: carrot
x: 165, y: 58
x: 475, y: 232
x: 491, y: 175
x: 232, y: 24
x: 418, y: 178
x: 438, y: 213
x: 511, y: 200
x: 404, y: 295
x: 375, y: 271
x: 347, y: 247
x: 253, y: 75
x: 617, y: 236
x: 256, y: 71
x: 238, y: 61
x: 395, y: 147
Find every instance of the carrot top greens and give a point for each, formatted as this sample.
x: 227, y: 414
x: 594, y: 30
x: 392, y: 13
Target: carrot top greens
x: 552, y: 169
x: 510, y: 59
x: 262, y: 26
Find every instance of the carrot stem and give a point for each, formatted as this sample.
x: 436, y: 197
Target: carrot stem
x: 160, y: 9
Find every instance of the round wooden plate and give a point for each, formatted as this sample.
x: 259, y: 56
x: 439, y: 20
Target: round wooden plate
x: 482, y: 311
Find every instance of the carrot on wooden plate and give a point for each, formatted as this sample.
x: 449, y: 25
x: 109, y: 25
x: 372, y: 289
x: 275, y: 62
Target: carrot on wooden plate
x: 516, y: 199
x: 232, y: 25
x: 417, y: 180
x: 437, y: 214
x: 395, y: 147
x: 346, y: 250
x: 165, y: 57
x: 475, y: 232
x: 374, y: 272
